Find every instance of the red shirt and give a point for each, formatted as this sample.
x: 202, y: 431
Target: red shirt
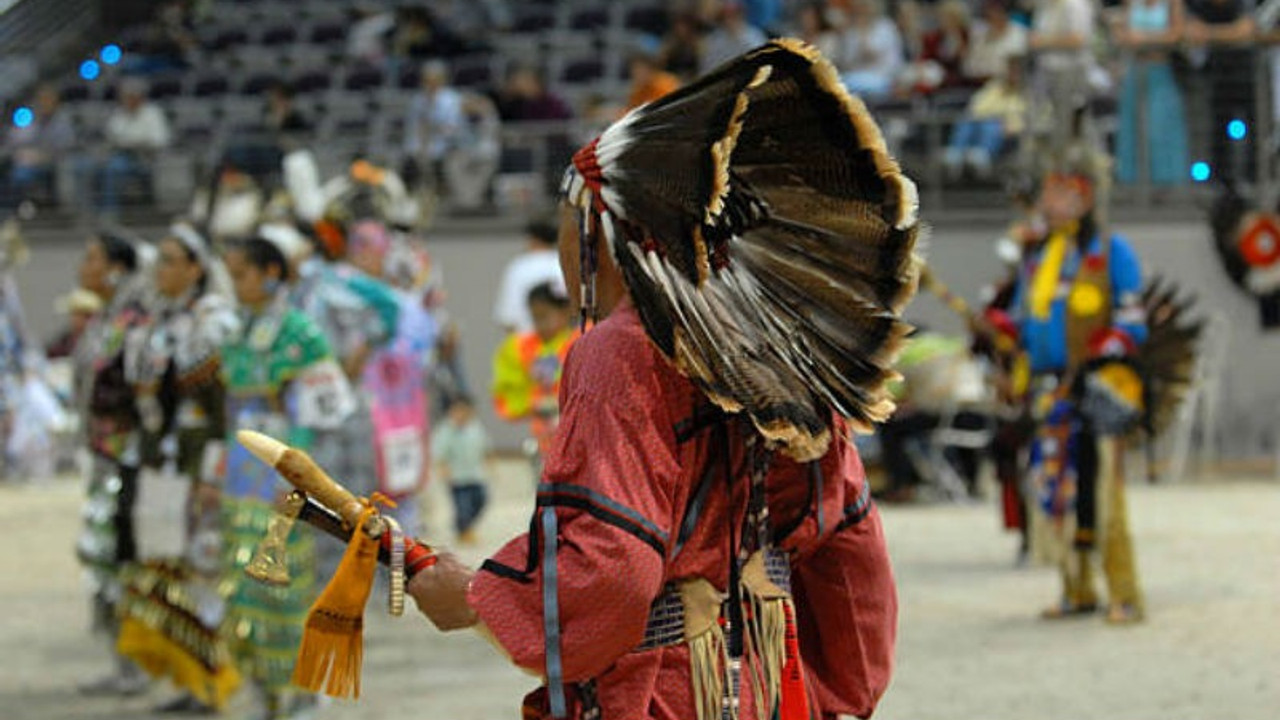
x: 632, y: 448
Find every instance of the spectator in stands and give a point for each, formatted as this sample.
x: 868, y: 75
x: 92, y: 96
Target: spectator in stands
x: 764, y: 14
x: 911, y: 18
x: 1225, y: 27
x: 871, y: 52
x: 648, y: 80
x: 420, y: 35
x: 996, y: 114
x: 996, y: 39
x: 435, y: 123
x: 474, y: 20
x: 232, y: 211
x: 814, y: 27
x: 537, y: 264
x: 732, y: 37
x: 136, y: 131
x: 1060, y: 36
x: 681, y: 50
x: 31, y: 153
x: 282, y: 116
x: 1149, y: 30
x: 524, y: 98
x: 367, y: 38
x: 470, y: 166
x: 948, y: 44
x: 167, y: 44
x: 942, y: 51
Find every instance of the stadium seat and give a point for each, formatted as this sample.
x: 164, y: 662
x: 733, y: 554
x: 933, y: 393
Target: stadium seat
x: 328, y: 33
x: 363, y: 77
x: 258, y: 83
x: 651, y: 20
x: 312, y: 81
x: 165, y: 87
x: 583, y: 70
x: 473, y: 72
x: 533, y: 21
x: 278, y: 35
x: 228, y: 38
x: 595, y: 18
x: 210, y: 86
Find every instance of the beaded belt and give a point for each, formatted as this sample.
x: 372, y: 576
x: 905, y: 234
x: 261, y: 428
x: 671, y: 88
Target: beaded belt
x: 666, y: 614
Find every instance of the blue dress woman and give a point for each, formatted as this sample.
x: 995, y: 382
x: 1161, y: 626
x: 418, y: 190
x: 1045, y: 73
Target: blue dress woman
x: 1150, y: 29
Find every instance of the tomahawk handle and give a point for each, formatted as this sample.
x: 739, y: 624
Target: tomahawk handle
x: 417, y: 555
x: 303, y: 473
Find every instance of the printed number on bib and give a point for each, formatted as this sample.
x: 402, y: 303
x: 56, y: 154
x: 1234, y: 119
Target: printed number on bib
x: 402, y: 458
x: 325, y: 398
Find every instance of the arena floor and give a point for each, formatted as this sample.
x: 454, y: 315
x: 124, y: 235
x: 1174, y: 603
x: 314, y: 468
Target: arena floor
x: 970, y: 645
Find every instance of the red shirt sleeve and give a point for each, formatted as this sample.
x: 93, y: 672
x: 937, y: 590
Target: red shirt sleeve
x: 842, y: 582
x: 608, y: 478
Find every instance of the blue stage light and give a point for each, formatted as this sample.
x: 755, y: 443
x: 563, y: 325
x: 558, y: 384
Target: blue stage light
x: 23, y: 116
x: 90, y: 69
x: 1200, y: 171
x: 1237, y: 130
x: 110, y: 54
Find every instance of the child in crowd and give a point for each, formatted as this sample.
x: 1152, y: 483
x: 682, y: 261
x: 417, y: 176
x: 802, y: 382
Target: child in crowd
x: 459, y: 447
x: 996, y: 113
x: 526, y: 369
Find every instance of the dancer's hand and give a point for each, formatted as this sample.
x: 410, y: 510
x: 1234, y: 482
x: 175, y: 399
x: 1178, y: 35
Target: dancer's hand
x: 441, y: 593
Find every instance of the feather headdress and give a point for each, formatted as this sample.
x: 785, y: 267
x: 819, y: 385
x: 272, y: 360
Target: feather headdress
x: 766, y: 238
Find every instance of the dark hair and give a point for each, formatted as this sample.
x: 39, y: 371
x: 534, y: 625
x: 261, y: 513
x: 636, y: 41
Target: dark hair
x: 461, y: 399
x: 118, y: 249
x: 547, y: 294
x: 192, y: 257
x: 543, y: 230
x: 262, y: 254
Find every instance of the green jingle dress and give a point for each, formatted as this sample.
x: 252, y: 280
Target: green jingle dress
x: 261, y: 368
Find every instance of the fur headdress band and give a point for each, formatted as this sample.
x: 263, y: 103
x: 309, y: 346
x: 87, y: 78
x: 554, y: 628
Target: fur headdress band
x: 766, y: 238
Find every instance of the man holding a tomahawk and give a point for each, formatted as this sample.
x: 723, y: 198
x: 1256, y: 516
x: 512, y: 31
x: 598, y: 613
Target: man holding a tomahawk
x: 704, y: 545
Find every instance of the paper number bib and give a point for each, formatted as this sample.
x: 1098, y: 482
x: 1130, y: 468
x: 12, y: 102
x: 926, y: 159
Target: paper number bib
x: 402, y: 458
x: 324, y: 396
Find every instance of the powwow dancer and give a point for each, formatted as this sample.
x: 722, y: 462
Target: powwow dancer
x: 172, y: 610
x: 394, y: 380
x: 16, y: 353
x: 110, y: 269
x: 1079, y: 308
x: 280, y: 378
x: 704, y: 545
x: 357, y: 314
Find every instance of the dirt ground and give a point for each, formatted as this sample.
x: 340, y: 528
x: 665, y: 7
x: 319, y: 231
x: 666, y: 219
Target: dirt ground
x: 970, y: 646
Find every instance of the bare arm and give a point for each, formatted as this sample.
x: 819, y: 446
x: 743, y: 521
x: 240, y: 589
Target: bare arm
x: 1068, y: 41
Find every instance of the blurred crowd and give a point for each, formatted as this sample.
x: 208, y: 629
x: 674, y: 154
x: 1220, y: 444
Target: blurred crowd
x: 457, y: 95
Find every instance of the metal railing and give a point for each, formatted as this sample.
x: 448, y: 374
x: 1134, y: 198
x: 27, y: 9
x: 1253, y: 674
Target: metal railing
x: 916, y: 128
x: 34, y: 33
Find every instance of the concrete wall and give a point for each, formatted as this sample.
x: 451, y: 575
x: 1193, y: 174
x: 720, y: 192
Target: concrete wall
x: 960, y: 252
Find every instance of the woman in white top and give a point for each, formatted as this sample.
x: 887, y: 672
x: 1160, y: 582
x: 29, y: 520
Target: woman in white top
x: 871, y: 50
x: 1060, y: 37
x: 994, y: 41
